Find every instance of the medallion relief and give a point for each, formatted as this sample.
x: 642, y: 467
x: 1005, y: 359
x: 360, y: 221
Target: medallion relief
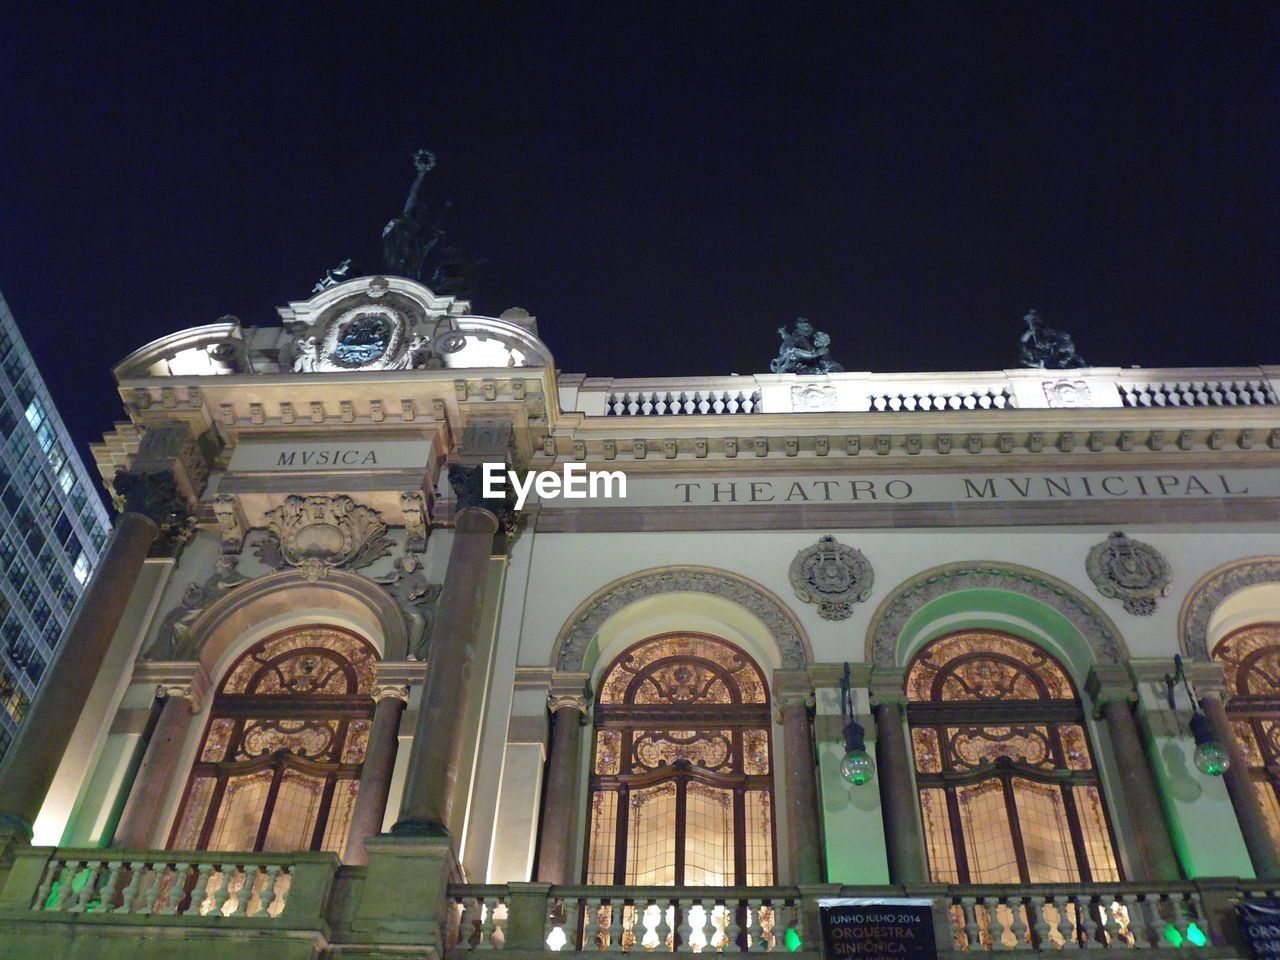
x: 1131, y: 571
x: 833, y: 575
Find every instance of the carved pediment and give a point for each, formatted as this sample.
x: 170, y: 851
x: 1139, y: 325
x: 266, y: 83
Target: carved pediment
x: 316, y: 534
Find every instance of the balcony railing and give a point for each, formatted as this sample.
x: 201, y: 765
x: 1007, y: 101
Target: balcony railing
x: 1161, y: 918
x: 204, y: 886
x: 1092, y: 387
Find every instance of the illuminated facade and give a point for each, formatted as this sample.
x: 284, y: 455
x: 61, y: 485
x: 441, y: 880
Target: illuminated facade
x: 52, y: 527
x: 336, y: 699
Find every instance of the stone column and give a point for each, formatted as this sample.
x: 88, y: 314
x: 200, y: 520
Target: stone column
x: 793, y: 695
x: 32, y: 760
x: 899, y: 803
x: 568, y: 703
x: 140, y: 821
x: 437, y: 741
x: 1111, y: 688
x: 1253, y: 822
x: 375, y: 773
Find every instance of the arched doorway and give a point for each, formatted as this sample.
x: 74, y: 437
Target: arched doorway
x: 279, y: 764
x: 681, y: 787
x: 1008, y: 784
x: 1250, y: 659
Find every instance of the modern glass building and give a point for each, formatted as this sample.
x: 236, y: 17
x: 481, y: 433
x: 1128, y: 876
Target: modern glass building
x: 52, y: 526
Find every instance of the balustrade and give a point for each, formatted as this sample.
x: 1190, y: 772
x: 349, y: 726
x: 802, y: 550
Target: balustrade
x: 640, y: 919
x: 211, y: 886
x: 928, y: 392
x: 1164, y: 917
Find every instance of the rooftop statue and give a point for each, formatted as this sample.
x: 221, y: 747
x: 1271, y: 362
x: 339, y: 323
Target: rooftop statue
x: 1047, y: 348
x: 408, y: 240
x: 804, y: 350
x: 346, y: 270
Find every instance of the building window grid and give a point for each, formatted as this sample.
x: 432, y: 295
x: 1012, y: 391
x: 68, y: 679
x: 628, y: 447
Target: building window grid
x: 680, y: 773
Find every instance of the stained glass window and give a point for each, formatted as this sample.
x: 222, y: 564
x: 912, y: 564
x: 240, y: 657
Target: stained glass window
x: 682, y: 776
x: 1251, y: 668
x: 279, y: 766
x: 1008, y: 788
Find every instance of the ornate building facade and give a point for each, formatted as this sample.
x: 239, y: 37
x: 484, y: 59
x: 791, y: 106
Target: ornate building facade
x: 345, y: 687
x: 53, y: 527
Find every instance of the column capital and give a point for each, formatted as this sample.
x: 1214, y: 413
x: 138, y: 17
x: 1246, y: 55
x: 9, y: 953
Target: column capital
x: 832, y: 674
x: 184, y: 679
x: 888, y: 685
x: 791, y: 688
x: 569, y: 690
x: 390, y: 691
x: 1205, y: 677
x: 1108, y: 682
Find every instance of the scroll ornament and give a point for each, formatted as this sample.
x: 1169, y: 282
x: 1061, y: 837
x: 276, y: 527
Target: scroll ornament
x: 316, y: 534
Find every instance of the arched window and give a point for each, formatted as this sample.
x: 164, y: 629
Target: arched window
x: 682, y: 777
x: 1009, y: 789
x: 1251, y: 668
x: 279, y: 766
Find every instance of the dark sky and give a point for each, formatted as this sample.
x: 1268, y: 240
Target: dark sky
x: 662, y: 184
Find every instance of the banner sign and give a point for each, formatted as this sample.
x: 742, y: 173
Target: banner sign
x: 305, y: 457
x: 878, y: 927
x: 1260, y: 922
x: 1003, y: 488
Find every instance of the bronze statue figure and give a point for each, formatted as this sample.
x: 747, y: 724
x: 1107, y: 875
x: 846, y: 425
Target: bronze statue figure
x: 804, y: 350
x: 1046, y: 348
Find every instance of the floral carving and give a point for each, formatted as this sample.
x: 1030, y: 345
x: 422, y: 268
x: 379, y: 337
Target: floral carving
x: 1130, y: 570
x: 833, y: 575
x: 316, y: 534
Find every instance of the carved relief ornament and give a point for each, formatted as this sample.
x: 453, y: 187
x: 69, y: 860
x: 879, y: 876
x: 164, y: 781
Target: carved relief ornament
x: 1129, y: 570
x: 316, y: 534
x: 833, y: 575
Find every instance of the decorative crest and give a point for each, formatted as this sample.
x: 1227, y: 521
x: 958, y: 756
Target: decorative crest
x: 1045, y: 348
x: 833, y: 575
x: 316, y: 534
x: 804, y: 350
x: 1130, y: 570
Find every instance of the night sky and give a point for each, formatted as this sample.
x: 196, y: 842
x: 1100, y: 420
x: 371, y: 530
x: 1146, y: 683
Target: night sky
x: 661, y: 184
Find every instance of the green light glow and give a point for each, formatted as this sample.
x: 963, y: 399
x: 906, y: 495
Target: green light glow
x: 1196, y: 935
x: 1172, y: 935
x: 792, y: 940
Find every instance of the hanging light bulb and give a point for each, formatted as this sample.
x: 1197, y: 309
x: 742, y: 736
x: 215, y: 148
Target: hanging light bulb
x: 1211, y: 757
x: 857, y: 766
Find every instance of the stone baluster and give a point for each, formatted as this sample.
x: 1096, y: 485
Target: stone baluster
x: 794, y: 696
x: 51, y: 869
x: 567, y: 701
x: 591, y: 930
x: 438, y: 744
x: 107, y: 892
x: 32, y: 759
x: 140, y: 825
x: 375, y: 773
x: 271, y: 891
x: 245, y: 893
x: 1112, y: 692
x: 899, y: 803
x: 756, y: 942
x: 129, y: 895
